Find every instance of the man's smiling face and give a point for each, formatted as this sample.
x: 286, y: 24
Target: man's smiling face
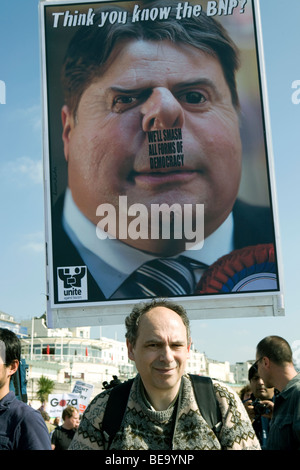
x: 160, y: 353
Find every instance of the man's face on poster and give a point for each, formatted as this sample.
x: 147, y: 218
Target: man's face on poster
x: 148, y: 86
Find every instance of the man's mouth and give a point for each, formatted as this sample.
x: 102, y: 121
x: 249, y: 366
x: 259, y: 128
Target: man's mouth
x: 153, y: 178
x: 164, y: 370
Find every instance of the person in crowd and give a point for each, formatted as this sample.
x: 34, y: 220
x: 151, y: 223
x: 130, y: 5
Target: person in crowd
x: 62, y: 435
x: 162, y: 412
x: 256, y: 407
x: 274, y: 364
x: 46, y: 417
x: 21, y: 427
x: 56, y: 421
x: 245, y: 393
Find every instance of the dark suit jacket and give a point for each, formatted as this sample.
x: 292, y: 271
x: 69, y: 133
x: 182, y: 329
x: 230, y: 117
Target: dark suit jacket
x: 252, y: 226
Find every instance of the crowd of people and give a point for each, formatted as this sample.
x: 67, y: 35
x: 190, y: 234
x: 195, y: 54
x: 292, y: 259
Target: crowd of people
x: 162, y: 409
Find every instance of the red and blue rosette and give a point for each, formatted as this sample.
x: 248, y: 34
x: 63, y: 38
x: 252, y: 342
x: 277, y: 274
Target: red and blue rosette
x: 248, y: 269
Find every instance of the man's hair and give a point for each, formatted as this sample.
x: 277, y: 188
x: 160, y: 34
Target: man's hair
x: 91, y: 47
x: 251, y: 373
x: 276, y: 349
x: 10, y: 346
x: 68, y: 412
x: 132, y: 320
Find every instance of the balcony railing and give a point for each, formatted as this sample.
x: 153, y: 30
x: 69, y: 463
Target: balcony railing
x: 75, y: 358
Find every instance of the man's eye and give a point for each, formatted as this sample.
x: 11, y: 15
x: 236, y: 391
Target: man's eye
x: 177, y: 346
x: 193, y: 97
x: 123, y: 101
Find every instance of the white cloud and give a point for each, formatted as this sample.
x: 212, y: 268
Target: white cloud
x: 31, y: 115
x: 34, y: 242
x: 25, y: 167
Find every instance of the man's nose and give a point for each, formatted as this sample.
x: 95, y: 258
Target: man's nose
x: 161, y: 111
x: 166, y: 355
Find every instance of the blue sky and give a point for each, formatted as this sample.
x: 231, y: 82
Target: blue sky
x: 22, y: 264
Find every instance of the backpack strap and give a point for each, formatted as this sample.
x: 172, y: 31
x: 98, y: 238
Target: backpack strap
x: 207, y: 401
x: 115, y: 409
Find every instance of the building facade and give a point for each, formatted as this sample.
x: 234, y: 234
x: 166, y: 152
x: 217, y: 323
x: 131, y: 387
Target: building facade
x: 69, y: 355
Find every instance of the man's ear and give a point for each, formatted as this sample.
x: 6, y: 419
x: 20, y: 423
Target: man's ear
x: 266, y: 362
x: 130, y: 350
x: 12, y: 367
x: 68, y: 124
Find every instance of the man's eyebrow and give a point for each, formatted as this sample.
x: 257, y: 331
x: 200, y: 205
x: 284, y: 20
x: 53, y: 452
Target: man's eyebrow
x: 128, y: 91
x: 202, y: 81
x: 153, y: 340
x: 160, y: 341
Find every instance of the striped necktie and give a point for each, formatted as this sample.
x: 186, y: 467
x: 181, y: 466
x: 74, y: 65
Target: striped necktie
x: 162, y: 277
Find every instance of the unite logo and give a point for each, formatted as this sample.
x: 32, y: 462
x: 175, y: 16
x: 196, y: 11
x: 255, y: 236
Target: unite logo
x: 72, y: 283
x: 2, y: 92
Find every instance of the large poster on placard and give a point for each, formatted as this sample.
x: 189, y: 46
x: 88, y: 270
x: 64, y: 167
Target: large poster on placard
x: 158, y: 166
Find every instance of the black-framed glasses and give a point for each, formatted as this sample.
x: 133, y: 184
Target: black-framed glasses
x: 255, y: 365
